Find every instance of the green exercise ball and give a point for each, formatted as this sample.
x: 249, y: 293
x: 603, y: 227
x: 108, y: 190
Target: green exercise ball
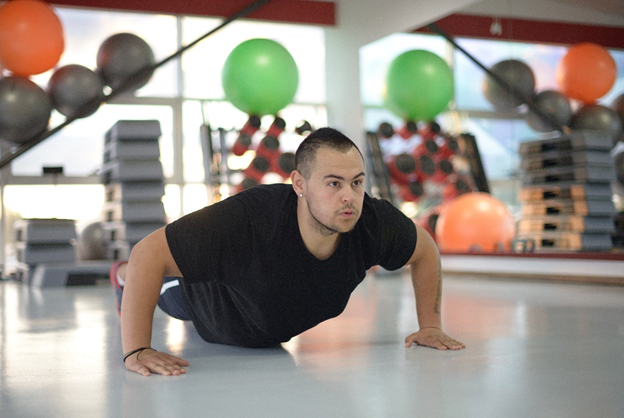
x: 260, y: 77
x: 419, y: 85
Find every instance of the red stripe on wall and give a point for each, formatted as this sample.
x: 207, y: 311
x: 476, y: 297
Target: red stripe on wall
x: 533, y: 31
x: 294, y: 11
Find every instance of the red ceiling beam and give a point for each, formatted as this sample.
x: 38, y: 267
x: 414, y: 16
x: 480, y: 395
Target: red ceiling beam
x: 533, y: 31
x: 293, y: 11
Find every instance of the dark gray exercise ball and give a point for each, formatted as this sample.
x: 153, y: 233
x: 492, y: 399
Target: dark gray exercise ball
x: 599, y: 118
x: 74, y: 87
x: 516, y: 74
x: 24, y: 109
x: 553, y: 104
x: 618, y: 106
x: 92, y: 244
x: 121, y: 56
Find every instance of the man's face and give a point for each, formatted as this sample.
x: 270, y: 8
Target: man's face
x: 335, y: 190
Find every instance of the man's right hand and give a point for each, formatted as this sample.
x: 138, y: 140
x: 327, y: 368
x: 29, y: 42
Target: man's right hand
x: 151, y: 361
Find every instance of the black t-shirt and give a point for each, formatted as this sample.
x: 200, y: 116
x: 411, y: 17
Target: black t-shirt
x: 249, y: 280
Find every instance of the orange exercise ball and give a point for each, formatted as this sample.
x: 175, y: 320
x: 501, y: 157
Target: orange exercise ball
x: 474, y: 222
x: 31, y: 37
x: 586, y: 72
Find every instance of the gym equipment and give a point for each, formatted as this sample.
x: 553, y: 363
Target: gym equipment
x: 447, y: 146
x: 242, y: 143
x: 25, y: 109
x: 260, y: 77
x: 268, y: 148
x: 554, y: 104
x: 304, y: 127
x: 74, y: 87
x: 258, y: 167
x: 284, y: 165
x: 566, y: 195
x: 618, y: 106
x: 454, y: 187
x: 428, y: 166
x: 380, y: 178
x: 31, y: 37
x: 43, y: 241
x: 444, y: 168
x: 412, y: 191
x: 127, y: 83
x: 123, y: 55
x: 618, y: 162
x: 474, y: 222
x: 566, y: 190
x: 572, y: 223
x: 598, y: 118
x: 247, y: 183
x: 425, y: 166
x: 92, y: 244
x: 277, y: 127
x: 429, y: 130
x: 514, y: 73
x: 515, y: 92
x: 426, y: 147
x: 134, y: 185
x: 575, y: 141
x: 618, y: 236
x: 586, y: 72
x: 565, y: 158
x: 408, y: 130
x: 402, y: 167
x: 47, y: 255
x: 385, y: 130
x: 419, y: 85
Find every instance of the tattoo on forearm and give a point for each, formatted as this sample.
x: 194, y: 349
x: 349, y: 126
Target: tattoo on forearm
x: 436, y: 306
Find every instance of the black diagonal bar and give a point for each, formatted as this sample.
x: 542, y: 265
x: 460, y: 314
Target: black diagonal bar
x: 126, y: 84
x: 547, y: 119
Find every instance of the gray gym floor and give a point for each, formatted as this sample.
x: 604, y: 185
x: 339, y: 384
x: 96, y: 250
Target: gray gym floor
x: 535, y: 349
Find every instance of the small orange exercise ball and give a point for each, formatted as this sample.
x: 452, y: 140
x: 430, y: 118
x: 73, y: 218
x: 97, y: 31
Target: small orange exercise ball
x: 586, y: 72
x: 474, y: 222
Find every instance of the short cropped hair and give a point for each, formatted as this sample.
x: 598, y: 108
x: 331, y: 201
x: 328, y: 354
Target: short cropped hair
x: 321, y: 138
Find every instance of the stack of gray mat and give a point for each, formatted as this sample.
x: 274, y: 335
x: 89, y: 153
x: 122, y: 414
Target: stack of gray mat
x: 42, y: 241
x: 566, y: 195
x: 134, y: 185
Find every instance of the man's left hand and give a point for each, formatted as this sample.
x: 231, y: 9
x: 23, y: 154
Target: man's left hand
x: 435, y: 338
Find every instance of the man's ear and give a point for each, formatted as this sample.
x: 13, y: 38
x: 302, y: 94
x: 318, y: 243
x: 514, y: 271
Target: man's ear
x: 297, y: 181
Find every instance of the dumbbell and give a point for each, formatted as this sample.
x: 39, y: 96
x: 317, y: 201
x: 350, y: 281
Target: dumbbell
x: 454, y: 188
x: 284, y: 164
x: 412, y: 191
x: 242, y: 143
x: 268, y: 148
x: 258, y: 167
x: 304, y: 128
x: 408, y: 130
x: 401, y: 167
x: 385, y: 130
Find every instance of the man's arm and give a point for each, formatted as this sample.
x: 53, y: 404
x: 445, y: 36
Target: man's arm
x: 427, y: 280
x: 149, y: 263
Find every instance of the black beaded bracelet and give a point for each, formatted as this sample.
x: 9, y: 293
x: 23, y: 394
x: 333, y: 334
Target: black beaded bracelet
x: 138, y: 350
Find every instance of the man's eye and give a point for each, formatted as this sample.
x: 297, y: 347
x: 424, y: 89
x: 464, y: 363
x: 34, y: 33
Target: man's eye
x: 334, y: 184
x: 357, y: 183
